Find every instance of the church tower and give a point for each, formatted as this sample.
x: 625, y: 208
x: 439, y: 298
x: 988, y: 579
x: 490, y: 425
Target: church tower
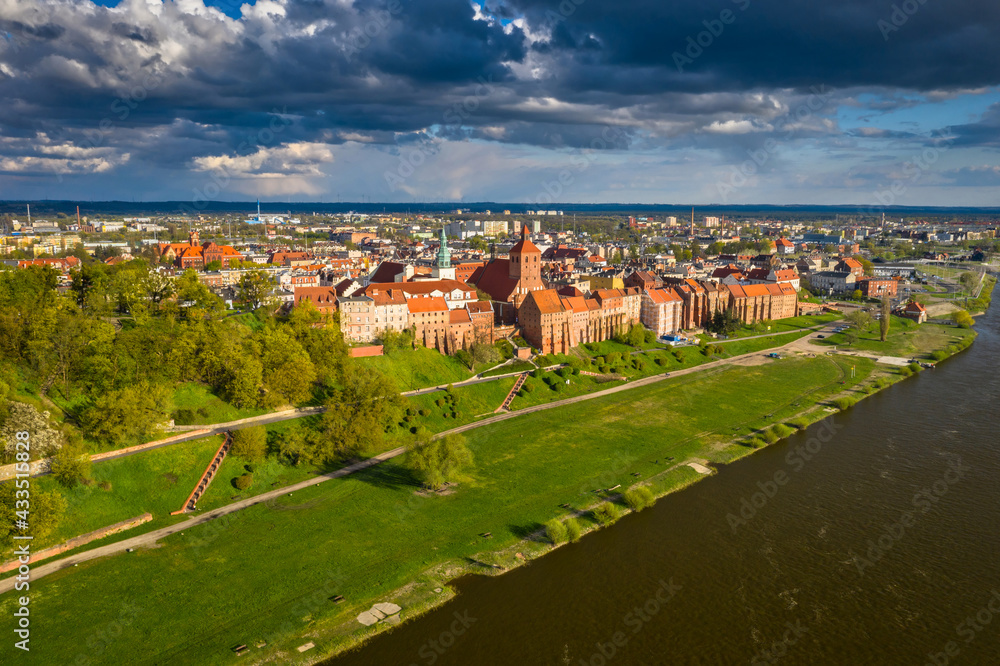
x: 526, y: 264
x: 442, y: 265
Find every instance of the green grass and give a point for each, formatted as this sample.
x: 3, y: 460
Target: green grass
x: 605, y: 347
x: 517, y: 366
x: 206, y: 407
x: 787, y: 325
x: 419, y: 368
x: 906, y: 339
x: 157, y: 481
x: 367, y: 535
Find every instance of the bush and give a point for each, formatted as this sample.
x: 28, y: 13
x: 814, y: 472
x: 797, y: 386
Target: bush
x: 844, y: 402
x: 184, y: 417
x: 770, y: 436
x: 439, y: 402
x: 638, y: 498
x: 557, y: 386
x: 939, y: 355
x: 243, y: 481
x: 527, y: 387
x: 104, y: 485
x: 564, y: 372
x: 249, y: 443
x: 606, y: 513
x: 605, y: 369
x: 576, y: 371
x: 613, y: 358
x: 800, y: 423
x: 555, y: 531
x: 906, y: 371
x: 573, y: 529
x: 250, y: 468
x: 660, y: 360
x: 782, y: 430
x: 914, y: 367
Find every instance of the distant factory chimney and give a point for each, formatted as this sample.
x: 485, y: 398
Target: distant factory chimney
x: 78, y: 216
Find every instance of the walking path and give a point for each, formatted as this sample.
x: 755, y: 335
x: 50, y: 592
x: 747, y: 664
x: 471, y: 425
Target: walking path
x: 150, y: 538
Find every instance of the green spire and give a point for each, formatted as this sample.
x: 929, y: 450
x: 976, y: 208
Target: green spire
x: 444, y: 254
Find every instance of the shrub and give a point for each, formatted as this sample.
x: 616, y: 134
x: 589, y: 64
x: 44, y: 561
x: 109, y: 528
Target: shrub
x: 906, y: 371
x: 564, y: 372
x: 914, y: 367
x: 184, y: 417
x: 606, y: 513
x: 249, y: 443
x: 801, y: 423
x: 939, y: 355
x: 576, y: 371
x: 104, y: 485
x: 439, y: 402
x: 638, y: 498
x: 527, y: 387
x: 555, y: 531
x: 243, y: 481
x: 557, y: 386
x: 613, y: 358
x: 536, y: 373
x: 782, y: 430
x: 660, y: 360
x: 755, y: 442
x: 770, y: 436
x: 250, y: 468
x: 573, y: 529
x: 843, y: 402
x: 605, y: 369
x: 425, y: 412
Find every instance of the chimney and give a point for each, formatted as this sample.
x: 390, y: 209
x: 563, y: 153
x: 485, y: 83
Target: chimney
x: 78, y: 216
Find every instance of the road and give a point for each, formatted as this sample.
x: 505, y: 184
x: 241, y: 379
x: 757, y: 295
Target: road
x: 150, y: 538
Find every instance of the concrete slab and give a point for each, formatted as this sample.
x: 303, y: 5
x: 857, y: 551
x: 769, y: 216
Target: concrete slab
x: 701, y: 469
x: 308, y: 646
x: 367, y: 618
x: 893, y: 360
x: 387, y: 608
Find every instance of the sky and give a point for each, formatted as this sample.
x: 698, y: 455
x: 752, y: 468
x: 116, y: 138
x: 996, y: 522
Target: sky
x: 852, y: 102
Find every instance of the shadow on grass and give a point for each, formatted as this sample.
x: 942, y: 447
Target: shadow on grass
x: 388, y: 475
x: 530, y: 531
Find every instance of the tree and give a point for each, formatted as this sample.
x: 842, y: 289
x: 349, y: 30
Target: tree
x: 196, y: 298
x: 249, y: 443
x: 969, y: 281
x: 45, y: 440
x: 71, y: 464
x: 963, y: 319
x: 884, y: 320
x: 724, y: 322
x: 47, y: 509
x: 857, y: 295
x: 287, y: 370
x: 254, y: 289
x: 850, y: 337
x: 868, y: 266
x: 213, y: 266
x: 125, y: 415
x: 859, y: 320
x: 359, y: 413
x: 440, y: 461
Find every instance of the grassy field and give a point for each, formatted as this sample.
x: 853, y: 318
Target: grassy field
x: 157, y: 481
x: 205, y: 407
x: 786, y: 325
x: 419, y: 368
x: 267, y: 572
x: 906, y: 338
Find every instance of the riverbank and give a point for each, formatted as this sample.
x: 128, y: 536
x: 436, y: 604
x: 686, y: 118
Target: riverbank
x: 372, y: 538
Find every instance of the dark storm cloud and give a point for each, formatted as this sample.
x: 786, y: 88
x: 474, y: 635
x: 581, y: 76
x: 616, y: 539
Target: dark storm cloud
x: 168, y: 86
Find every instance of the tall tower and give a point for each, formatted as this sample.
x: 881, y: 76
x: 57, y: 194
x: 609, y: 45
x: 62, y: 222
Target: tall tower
x: 526, y: 264
x: 442, y: 265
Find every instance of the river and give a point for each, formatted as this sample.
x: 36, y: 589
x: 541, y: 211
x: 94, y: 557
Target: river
x: 870, y: 538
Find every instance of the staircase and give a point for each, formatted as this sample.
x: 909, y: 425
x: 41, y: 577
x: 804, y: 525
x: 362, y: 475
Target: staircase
x: 206, y: 478
x: 510, y: 396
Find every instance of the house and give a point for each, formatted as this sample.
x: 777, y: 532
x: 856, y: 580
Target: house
x: 365, y: 316
x: 874, y: 287
x: 762, y: 302
x: 914, y: 311
x: 509, y: 281
x: 662, y: 311
x: 784, y: 246
x: 643, y: 280
x: 198, y: 255
x: 323, y: 298
x: 850, y: 265
x: 833, y: 282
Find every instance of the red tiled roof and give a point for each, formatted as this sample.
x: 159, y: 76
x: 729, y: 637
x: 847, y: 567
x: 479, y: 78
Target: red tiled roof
x: 525, y: 246
x: 547, y: 301
x: 494, y: 278
x: 432, y: 304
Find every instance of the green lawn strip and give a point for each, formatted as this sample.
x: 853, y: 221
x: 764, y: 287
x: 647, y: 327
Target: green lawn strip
x: 244, y: 577
x: 906, y: 338
x: 205, y: 407
x: 786, y: 325
x: 419, y: 368
x: 518, y: 366
x: 157, y: 481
